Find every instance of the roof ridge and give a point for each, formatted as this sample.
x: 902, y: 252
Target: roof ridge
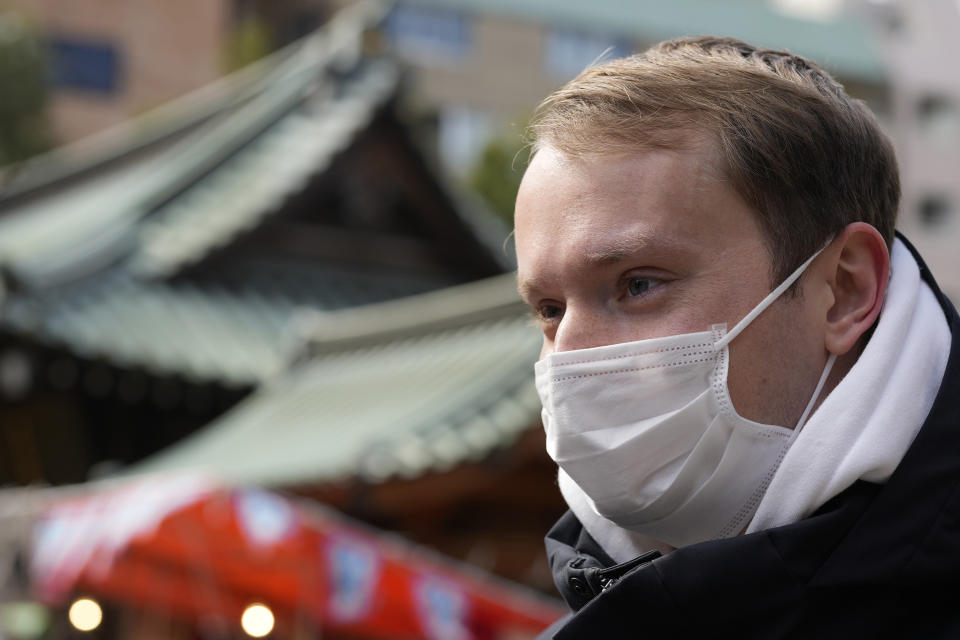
x: 442, y: 309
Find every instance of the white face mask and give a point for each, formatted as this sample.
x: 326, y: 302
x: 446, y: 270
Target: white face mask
x: 648, y: 432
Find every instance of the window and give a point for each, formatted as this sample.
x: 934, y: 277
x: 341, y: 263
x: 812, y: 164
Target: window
x: 570, y: 51
x: 934, y: 211
x: 888, y: 15
x: 939, y: 119
x: 84, y: 65
x: 428, y: 35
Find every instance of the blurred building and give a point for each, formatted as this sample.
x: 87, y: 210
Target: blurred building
x: 484, y: 66
x: 154, y: 278
x: 919, y: 45
x: 271, y: 284
x: 113, y: 60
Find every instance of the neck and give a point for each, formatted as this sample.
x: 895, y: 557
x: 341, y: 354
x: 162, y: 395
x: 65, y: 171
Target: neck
x: 841, y: 367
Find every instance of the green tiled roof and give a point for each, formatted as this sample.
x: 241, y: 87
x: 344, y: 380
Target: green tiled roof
x: 201, y: 331
x: 253, y: 183
x: 843, y: 46
x: 383, y: 397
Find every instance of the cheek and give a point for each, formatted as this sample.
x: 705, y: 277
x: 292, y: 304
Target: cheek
x: 751, y: 382
x: 774, y: 366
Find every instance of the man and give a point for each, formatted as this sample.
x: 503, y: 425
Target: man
x: 746, y: 377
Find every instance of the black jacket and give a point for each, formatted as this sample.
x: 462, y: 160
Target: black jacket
x: 875, y: 561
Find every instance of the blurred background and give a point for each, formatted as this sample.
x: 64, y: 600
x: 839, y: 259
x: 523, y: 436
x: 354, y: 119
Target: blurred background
x: 263, y: 371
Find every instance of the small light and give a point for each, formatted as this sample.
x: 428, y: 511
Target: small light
x: 257, y: 620
x: 85, y: 614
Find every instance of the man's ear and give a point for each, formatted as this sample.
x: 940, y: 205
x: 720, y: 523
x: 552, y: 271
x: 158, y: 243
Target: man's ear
x: 859, y: 285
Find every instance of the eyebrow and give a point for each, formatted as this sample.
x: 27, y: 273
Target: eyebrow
x: 617, y: 250
x: 611, y: 255
x: 526, y: 288
x: 624, y: 247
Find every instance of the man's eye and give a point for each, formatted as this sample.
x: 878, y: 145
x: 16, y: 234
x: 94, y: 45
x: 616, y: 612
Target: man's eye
x: 550, y: 312
x: 639, y: 286
x: 546, y: 313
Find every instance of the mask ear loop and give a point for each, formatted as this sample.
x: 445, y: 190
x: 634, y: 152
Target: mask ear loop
x: 816, y: 392
x: 766, y: 302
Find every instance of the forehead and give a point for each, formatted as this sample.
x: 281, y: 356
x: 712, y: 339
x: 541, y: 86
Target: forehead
x: 574, y: 212
x: 586, y: 191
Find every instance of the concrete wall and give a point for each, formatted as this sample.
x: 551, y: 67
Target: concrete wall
x: 921, y: 49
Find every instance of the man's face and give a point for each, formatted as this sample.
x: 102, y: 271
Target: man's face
x: 617, y: 248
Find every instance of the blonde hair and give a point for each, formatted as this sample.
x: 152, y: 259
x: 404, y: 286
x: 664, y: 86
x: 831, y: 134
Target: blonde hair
x: 803, y: 154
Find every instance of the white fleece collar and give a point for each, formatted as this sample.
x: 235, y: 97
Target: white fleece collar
x: 865, y: 426
x: 861, y: 430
